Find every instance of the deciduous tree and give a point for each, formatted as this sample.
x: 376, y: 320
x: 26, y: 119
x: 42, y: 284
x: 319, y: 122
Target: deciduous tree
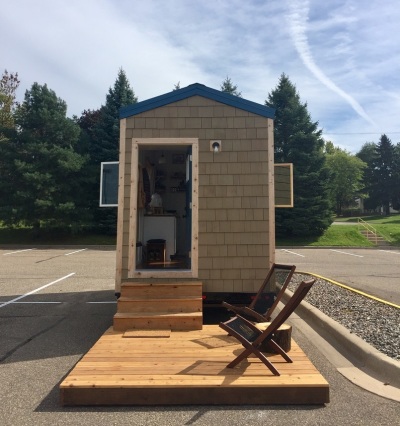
x: 346, y: 180
x: 8, y: 87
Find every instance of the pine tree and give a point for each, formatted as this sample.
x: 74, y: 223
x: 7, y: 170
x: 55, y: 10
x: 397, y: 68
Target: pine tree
x: 298, y: 141
x: 103, y: 145
x: 384, y: 174
x: 228, y: 87
x: 43, y: 167
x: 396, y: 189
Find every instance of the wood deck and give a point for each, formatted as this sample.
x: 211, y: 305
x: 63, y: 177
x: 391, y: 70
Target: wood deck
x: 185, y: 368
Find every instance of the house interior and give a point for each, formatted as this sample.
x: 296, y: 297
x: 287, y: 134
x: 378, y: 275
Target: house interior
x: 164, y: 217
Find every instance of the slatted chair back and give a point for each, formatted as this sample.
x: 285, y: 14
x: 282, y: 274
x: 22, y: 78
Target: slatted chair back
x: 278, y: 276
x: 252, y: 338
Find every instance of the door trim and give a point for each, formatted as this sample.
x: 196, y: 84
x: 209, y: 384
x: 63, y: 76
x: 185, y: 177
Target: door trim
x: 136, y: 143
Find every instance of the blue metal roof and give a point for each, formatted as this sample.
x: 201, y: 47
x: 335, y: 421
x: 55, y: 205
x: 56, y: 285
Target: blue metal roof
x: 197, y: 89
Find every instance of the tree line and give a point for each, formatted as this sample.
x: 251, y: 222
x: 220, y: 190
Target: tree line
x: 50, y: 163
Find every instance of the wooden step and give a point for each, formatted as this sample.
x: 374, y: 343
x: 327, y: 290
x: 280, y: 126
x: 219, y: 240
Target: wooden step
x: 176, y: 304
x: 158, y: 320
x: 146, y: 290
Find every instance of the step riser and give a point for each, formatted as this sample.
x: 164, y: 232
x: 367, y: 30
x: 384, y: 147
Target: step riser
x: 161, y: 291
x: 171, y: 306
x: 162, y: 305
x: 164, y: 323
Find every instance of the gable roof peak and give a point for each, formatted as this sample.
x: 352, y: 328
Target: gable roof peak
x: 197, y: 89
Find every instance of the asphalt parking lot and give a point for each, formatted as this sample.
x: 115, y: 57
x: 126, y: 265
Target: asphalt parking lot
x: 54, y: 305
x: 373, y: 271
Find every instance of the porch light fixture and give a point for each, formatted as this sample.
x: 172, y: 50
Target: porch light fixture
x: 162, y: 159
x: 215, y: 146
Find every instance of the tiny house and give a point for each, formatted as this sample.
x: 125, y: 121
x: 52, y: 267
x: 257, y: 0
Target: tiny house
x: 196, y: 197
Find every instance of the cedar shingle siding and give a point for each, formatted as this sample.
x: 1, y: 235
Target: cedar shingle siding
x: 235, y: 204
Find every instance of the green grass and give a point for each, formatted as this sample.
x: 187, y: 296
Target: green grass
x: 335, y: 235
x: 348, y: 235
x: 387, y: 226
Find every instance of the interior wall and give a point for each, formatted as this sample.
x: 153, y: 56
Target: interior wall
x: 170, y: 171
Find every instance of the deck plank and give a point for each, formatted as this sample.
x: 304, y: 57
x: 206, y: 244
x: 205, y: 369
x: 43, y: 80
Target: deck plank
x: 191, y: 365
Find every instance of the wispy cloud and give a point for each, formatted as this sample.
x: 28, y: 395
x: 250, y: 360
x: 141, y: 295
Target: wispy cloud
x: 344, y: 61
x: 297, y: 17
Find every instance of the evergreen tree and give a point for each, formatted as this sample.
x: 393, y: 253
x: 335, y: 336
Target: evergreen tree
x: 298, y: 141
x: 43, y: 166
x: 384, y: 174
x: 103, y: 145
x: 396, y: 189
x: 228, y: 87
x: 90, y: 177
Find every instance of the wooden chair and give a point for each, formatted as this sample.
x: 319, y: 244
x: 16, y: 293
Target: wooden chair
x: 251, y: 337
x: 258, y: 311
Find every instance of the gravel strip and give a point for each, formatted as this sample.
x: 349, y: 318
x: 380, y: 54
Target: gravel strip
x: 376, y: 323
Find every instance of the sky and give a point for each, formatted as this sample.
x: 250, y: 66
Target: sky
x: 343, y: 56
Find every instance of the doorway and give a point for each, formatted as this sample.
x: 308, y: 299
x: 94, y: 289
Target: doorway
x: 165, y: 228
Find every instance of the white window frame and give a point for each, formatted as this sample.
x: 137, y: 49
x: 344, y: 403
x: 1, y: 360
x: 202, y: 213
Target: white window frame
x: 101, y: 204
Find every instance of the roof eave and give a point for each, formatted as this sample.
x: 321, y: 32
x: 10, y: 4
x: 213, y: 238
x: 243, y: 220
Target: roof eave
x: 197, y: 90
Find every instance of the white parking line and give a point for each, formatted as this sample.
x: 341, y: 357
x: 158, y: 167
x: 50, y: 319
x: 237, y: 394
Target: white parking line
x: 35, y: 303
x: 345, y: 252
x: 73, y: 252
x: 292, y: 252
x: 390, y: 251
x: 36, y: 290
x: 18, y: 251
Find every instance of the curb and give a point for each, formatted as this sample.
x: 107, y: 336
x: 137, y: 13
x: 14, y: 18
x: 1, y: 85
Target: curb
x: 360, y: 353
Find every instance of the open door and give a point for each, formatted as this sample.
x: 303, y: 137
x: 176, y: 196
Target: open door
x: 162, y: 232
x: 188, y: 207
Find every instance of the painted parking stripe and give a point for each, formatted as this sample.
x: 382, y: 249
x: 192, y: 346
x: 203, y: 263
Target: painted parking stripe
x: 345, y: 252
x: 73, y: 252
x: 58, y: 303
x: 292, y: 252
x: 390, y: 251
x: 36, y: 290
x: 18, y: 251
x: 36, y: 303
